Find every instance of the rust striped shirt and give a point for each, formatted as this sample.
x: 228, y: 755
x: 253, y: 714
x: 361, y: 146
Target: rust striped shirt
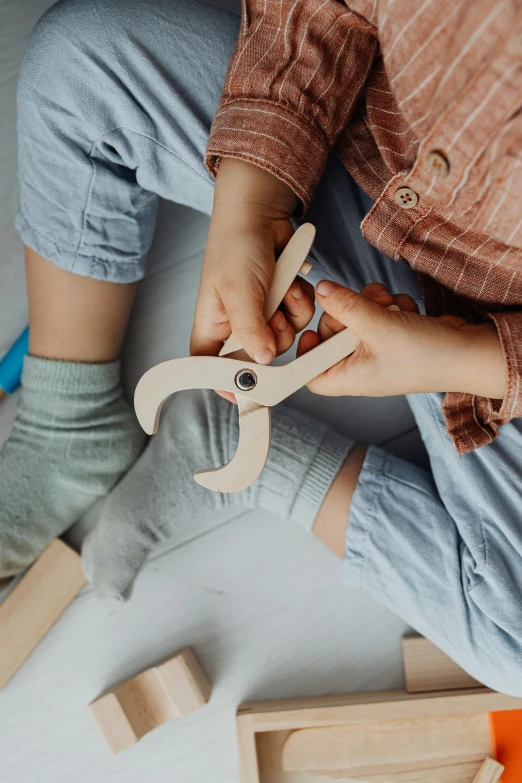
x: 421, y: 100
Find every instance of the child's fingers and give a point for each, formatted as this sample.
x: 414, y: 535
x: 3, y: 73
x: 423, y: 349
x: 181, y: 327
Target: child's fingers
x: 283, y: 331
x: 307, y: 341
x: 405, y: 303
x: 328, y: 326
x: 306, y: 286
x: 210, y: 326
x: 299, y: 304
x: 377, y: 292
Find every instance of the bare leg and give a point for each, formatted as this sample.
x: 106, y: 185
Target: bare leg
x: 75, y: 318
x: 332, y: 520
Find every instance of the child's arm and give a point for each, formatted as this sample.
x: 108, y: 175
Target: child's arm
x: 290, y: 89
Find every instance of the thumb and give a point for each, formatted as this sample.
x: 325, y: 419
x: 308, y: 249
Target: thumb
x: 245, y: 305
x: 350, y: 308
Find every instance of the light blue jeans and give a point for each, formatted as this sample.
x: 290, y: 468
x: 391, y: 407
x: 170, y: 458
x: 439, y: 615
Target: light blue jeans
x: 115, y: 105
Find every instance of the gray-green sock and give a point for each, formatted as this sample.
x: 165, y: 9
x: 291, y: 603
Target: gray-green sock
x: 159, y: 495
x: 73, y: 438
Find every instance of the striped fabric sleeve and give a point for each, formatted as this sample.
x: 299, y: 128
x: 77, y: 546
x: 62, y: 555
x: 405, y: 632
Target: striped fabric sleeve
x: 475, y: 421
x: 509, y: 328
x: 291, y: 86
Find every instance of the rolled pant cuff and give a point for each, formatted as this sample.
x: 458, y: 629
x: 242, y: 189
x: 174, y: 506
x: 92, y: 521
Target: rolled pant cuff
x: 70, y: 260
x: 363, y: 518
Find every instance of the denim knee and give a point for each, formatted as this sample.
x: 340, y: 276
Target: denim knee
x: 67, y: 68
x: 80, y: 208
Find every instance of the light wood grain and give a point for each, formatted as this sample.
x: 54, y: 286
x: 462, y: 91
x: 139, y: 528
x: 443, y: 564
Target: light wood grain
x: 390, y: 745
x: 489, y: 772
x: 186, y: 681
x: 290, y: 262
x: 445, y: 773
x: 171, y: 689
x: 270, y: 749
x: 36, y: 603
x: 387, y: 737
x: 426, y: 668
x: 251, y: 454
x: 247, y: 751
x: 383, y: 705
x: 114, y: 723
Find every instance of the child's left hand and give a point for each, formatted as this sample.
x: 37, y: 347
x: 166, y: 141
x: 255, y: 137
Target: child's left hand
x: 403, y: 352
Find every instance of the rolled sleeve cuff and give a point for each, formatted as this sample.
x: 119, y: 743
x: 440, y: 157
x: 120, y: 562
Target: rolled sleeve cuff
x: 473, y: 421
x: 509, y: 328
x: 273, y: 137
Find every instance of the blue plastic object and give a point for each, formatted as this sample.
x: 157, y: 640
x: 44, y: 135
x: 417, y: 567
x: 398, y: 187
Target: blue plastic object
x: 12, y: 364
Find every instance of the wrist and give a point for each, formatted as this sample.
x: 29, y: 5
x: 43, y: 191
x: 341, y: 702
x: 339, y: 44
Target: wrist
x: 243, y: 184
x: 482, y: 370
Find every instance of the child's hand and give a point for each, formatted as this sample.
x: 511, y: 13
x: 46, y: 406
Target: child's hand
x: 403, y: 352
x: 250, y: 226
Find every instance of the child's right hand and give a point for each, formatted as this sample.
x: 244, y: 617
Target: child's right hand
x: 249, y: 228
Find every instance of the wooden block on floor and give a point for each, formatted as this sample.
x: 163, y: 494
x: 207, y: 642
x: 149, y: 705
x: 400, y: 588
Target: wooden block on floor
x: 426, y: 668
x: 171, y: 689
x: 489, y: 772
x: 421, y: 738
x: 36, y: 603
x: 390, y: 746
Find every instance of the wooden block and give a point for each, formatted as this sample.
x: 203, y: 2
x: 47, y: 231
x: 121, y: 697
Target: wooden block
x: 113, y: 722
x: 390, y: 746
x: 379, y: 705
x: 186, y: 681
x: 36, y: 603
x: 446, y: 773
x: 489, y: 772
x: 266, y: 729
x: 246, y: 740
x: 426, y: 668
x: 173, y: 688
x: 269, y: 749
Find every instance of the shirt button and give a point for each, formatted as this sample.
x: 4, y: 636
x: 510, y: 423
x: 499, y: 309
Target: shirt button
x: 406, y: 198
x: 438, y: 163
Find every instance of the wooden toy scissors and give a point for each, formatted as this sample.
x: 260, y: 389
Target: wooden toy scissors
x: 256, y: 387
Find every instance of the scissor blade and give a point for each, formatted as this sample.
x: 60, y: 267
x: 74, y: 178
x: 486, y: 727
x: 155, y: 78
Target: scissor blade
x: 251, y: 454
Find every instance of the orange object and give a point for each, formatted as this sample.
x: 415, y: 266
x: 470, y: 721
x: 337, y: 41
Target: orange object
x: 506, y: 733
